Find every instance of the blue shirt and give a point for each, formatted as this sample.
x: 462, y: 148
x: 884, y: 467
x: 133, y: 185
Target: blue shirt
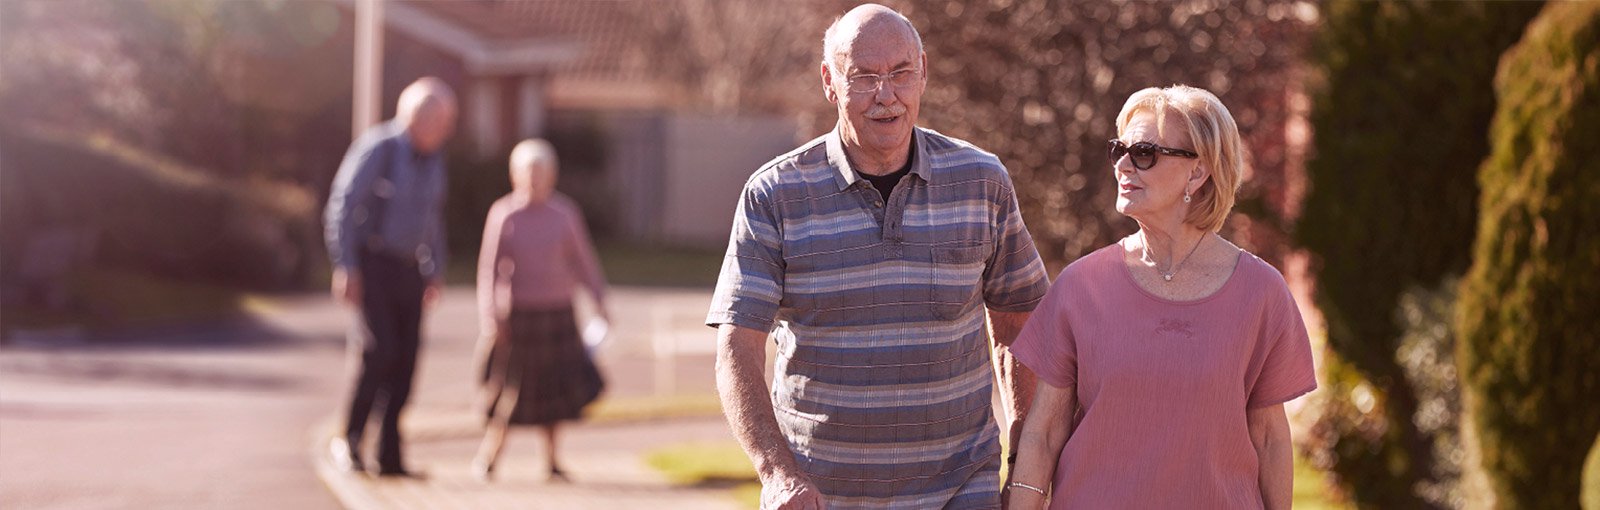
x: 383, y: 163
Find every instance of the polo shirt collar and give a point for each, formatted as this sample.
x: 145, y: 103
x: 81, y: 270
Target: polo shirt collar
x: 845, y: 176
x: 403, y: 138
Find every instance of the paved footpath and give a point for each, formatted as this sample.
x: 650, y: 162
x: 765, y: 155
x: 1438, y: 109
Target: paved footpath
x: 659, y: 349
x: 236, y: 414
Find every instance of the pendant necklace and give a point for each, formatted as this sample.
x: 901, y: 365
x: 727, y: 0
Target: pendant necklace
x: 1167, y: 275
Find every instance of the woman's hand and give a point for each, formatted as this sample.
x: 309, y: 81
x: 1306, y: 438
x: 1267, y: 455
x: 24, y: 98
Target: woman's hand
x: 1269, y: 434
x: 1038, y: 448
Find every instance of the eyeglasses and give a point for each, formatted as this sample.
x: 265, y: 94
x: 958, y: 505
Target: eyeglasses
x: 864, y: 83
x: 1143, y: 154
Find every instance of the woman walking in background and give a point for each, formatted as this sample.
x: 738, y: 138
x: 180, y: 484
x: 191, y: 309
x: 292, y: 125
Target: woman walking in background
x: 1166, y: 357
x: 536, y: 252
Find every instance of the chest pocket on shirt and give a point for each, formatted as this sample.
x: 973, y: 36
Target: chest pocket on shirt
x: 957, y: 277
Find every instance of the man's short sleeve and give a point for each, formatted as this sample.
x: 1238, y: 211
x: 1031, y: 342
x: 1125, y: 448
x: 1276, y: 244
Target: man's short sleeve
x: 751, y: 283
x: 1015, y: 279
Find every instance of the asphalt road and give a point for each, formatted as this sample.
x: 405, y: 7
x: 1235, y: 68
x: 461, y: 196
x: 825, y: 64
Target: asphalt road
x: 200, y: 416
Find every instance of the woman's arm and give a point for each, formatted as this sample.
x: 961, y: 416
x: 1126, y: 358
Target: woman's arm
x: 489, y: 272
x: 1043, y: 434
x: 1269, y: 434
x: 491, y: 288
x: 586, y: 264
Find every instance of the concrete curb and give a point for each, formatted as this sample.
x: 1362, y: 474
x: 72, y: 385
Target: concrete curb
x: 346, y: 487
x: 435, y: 425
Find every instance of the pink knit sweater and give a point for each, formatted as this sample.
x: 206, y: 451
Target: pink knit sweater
x: 534, y: 257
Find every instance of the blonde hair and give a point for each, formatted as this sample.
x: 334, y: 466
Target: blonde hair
x: 1215, y: 137
x: 534, y: 151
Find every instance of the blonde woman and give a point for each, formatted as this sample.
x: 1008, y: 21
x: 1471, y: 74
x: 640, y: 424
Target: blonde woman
x: 1165, y: 358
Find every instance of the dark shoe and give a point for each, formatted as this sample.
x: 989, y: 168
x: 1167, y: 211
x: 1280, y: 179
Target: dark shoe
x: 344, y: 458
x: 556, y: 475
x: 400, y: 472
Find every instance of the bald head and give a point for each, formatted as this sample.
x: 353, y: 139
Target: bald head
x: 427, y: 110
x: 874, y: 72
x: 863, y: 23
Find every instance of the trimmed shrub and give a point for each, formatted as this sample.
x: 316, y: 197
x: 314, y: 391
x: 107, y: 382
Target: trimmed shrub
x: 1530, y: 311
x: 1591, y: 478
x: 151, y: 215
x: 1391, y: 208
x: 1399, y: 116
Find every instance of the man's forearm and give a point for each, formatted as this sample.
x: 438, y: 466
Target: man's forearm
x: 741, y: 358
x: 1018, y: 382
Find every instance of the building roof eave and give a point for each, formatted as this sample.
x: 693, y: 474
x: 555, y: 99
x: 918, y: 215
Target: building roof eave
x: 478, y: 55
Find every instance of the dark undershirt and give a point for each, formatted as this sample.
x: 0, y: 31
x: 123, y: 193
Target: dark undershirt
x: 885, y: 183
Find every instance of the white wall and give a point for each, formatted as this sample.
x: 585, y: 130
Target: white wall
x: 707, y: 161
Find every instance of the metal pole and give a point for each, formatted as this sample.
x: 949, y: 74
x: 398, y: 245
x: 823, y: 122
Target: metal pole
x: 665, y: 343
x: 368, y: 92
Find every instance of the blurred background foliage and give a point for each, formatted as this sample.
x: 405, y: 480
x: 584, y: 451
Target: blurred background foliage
x: 160, y: 135
x: 190, y: 144
x: 1530, y: 307
x: 1039, y: 83
x: 1401, y: 105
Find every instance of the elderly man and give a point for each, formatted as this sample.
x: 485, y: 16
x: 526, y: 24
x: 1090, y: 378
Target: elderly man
x: 385, y: 235
x: 870, y: 255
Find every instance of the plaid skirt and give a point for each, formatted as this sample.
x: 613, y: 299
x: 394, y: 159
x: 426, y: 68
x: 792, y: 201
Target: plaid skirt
x: 541, y: 374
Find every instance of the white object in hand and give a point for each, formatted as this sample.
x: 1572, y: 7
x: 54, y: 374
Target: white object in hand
x: 595, y: 333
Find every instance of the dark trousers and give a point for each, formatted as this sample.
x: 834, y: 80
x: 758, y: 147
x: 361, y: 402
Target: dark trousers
x: 389, y: 334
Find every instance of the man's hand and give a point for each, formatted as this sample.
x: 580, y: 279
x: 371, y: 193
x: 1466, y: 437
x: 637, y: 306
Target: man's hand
x: 347, y: 287
x: 430, y: 295
x: 1015, y: 438
x: 791, y: 492
x: 741, y: 354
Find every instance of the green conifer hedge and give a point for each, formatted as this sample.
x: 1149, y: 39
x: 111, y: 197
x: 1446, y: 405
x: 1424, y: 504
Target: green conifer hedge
x: 1529, y: 314
x: 1400, y: 116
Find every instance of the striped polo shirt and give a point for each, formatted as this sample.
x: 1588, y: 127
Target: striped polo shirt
x: 882, y: 380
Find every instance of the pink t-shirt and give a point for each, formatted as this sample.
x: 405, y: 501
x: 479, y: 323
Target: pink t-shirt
x: 535, y: 257
x: 1163, y: 386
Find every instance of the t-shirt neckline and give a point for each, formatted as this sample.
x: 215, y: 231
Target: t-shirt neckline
x: 1127, y: 274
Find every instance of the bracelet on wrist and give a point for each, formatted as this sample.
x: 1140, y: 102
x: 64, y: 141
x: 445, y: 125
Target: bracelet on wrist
x: 1026, y: 486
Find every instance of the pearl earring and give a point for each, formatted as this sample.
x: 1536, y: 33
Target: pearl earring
x: 1186, y: 198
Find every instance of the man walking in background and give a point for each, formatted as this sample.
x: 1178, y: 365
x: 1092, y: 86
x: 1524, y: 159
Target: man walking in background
x: 873, y: 255
x: 384, y: 227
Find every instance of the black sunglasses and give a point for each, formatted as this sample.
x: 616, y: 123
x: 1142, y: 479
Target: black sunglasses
x: 1143, y: 154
